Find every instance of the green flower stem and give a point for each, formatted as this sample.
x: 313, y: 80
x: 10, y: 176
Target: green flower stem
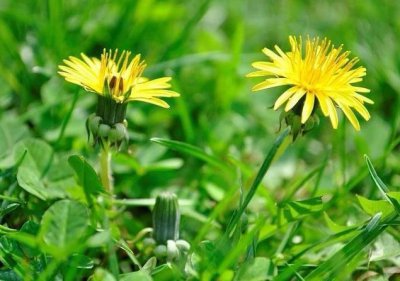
x: 105, y: 169
x: 273, y: 152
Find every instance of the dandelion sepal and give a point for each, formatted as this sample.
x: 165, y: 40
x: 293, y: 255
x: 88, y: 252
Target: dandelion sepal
x: 110, y: 111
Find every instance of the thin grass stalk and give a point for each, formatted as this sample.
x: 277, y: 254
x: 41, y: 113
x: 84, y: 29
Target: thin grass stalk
x: 260, y: 175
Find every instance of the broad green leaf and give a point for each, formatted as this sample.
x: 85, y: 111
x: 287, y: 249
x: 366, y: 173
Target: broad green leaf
x: 81, y: 261
x: 9, y: 208
x: 150, y: 265
x: 9, y: 275
x: 267, y: 231
x: 214, y: 191
x: 38, y: 155
x: 30, y: 227
x: 87, y: 176
x: 42, y: 188
x: 373, y: 207
x: 294, y: 210
x: 125, y: 247
x: 18, y: 250
x: 193, y: 151
x: 333, y: 226
x: 13, y: 257
x: 41, y: 173
x: 60, y: 170
x: 258, y: 269
x: 64, y: 224
x: 385, y: 248
x: 136, y: 276
x: 99, y: 239
x: 29, y: 180
x: 166, y: 272
x: 100, y: 274
x: 11, y: 131
x: 394, y: 195
x: 10, y: 246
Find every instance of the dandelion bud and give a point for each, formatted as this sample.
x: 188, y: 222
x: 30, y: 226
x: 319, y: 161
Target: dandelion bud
x: 104, y: 130
x: 311, y: 123
x: 172, y: 250
x: 293, y: 119
x: 166, y: 218
x: 94, y: 123
x: 121, y: 131
x: 149, y: 242
x: 182, y: 245
x: 160, y: 251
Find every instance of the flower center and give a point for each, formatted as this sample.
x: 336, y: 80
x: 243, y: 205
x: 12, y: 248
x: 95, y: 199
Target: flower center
x: 116, y: 86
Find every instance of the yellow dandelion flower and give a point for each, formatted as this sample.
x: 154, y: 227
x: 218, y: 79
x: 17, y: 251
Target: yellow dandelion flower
x: 324, y: 74
x: 117, y: 77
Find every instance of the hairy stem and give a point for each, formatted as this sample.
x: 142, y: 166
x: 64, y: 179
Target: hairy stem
x: 105, y: 168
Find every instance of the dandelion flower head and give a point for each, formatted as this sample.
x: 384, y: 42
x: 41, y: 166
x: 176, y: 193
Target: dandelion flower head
x: 319, y: 75
x: 116, y: 76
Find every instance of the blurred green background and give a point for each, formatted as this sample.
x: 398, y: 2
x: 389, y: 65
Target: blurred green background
x: 207, y: 47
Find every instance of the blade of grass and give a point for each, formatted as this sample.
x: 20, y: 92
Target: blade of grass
x: 67, y: 118
x: 245, y: 241
x: 148, y: 202
x: 339, y: 260
x: 260, y: 175
x: 381, y: 185
x: 193, y: 151
x: 178, y: 42
x: 368, y: 234
x: 302, y: 181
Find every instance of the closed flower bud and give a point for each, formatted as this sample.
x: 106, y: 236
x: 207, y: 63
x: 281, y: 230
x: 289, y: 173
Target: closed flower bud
x: 149, y: 242
x: 172, y: 250
x: 293, y: 119
x: 121, y: 131
x: 311, y: 123
x: 182, y: 245
x: 94, y: 123
x: 166, y: 217
x: 104, y: 130
x: 160, y: 251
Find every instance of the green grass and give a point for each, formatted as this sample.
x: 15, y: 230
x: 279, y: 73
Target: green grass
x: 315, y: 210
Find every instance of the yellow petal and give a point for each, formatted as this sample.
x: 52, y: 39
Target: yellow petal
x: 322, y: 103
x: 153, y: 93
x: 361, y: 109
x: 266, y: 66
x: 332, y: 113
x: 259, y: 73
x: 284, y: 97
x: 363, y: 99
x: 294, y: 99
x: 155, y: 101
x: 308, y: 107
x: 270, y: 83
x: 361, y: 90
x: 271, y: 54
x: 350, y: 115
